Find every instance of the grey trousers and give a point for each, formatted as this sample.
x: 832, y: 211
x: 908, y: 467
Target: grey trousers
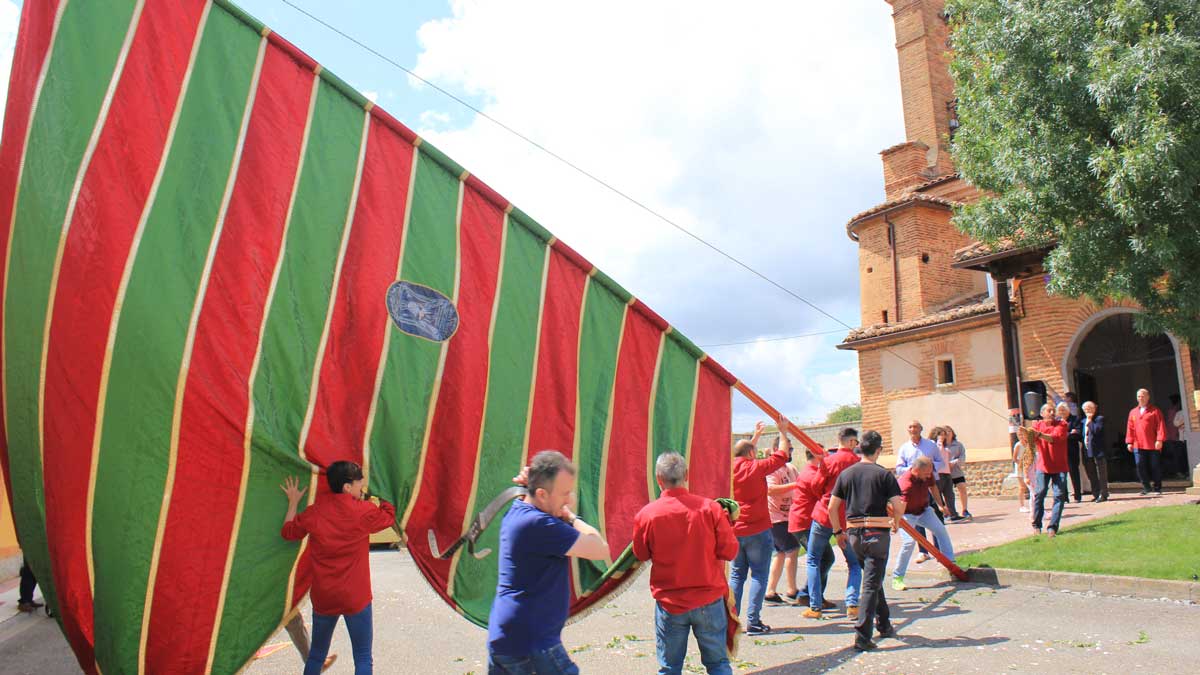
x: 1097, y: 473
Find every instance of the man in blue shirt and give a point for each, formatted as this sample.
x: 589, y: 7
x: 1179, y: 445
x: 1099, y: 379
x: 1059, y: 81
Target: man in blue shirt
x: 533, y: 594
x: 915, y: 446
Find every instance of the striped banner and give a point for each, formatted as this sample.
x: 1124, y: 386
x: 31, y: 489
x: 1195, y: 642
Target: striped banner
x: 199, y: 226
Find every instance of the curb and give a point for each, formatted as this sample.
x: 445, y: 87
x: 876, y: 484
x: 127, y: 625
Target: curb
x: 1153, y: 589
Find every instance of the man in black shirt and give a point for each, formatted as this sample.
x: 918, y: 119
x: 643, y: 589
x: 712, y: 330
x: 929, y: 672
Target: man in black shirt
x: 873, y: 508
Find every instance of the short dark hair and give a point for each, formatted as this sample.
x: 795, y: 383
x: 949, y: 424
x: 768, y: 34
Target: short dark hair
x: 340, y: 474
x: 808, y: 454
x: 545, y: 467
x: 848, y: 432
x: 1175, y: 399
x: 1070, y: 397
x: 871, y: 443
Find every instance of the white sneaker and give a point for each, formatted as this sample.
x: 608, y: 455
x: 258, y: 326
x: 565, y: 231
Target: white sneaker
x: 1023, y: 509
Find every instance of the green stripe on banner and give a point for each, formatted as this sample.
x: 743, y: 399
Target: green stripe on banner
x: 674, y: 395
x: 599, y: 338
x: 151, y: 332
x: 263, y: 561
x: 85, y: 52
x: 510, y: 383
x: 402, y: 409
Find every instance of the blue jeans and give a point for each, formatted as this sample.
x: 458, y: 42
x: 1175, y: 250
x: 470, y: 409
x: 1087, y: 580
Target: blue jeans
x: 928, y: 519
x: 708, y: 623
x: 818, y: 549
x: 1044, y: 481
x: 754, y: 557
x: 359, y: 627
x: 551, y: 661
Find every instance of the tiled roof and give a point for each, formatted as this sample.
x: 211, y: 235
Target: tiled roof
x: 932, y: 182
x: 982, y: 249
x: 974, y: 306
x: 905, y: 198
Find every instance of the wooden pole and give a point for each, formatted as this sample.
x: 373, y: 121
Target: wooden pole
x: 819, y: 451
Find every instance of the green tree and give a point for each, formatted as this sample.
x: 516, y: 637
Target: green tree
x: 850, y: 412
x: 1081, y: 121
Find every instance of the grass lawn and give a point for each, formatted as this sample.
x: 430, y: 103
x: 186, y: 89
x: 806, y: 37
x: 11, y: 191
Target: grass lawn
x: 1156, y: 542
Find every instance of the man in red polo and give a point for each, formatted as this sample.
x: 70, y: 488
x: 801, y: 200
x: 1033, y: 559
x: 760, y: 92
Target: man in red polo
x: 753, y: 527
x: 808, y: 491
x: 1051, y: 435
x: 688, y: 538
x: 1144, y: 436
x: 832, y: 465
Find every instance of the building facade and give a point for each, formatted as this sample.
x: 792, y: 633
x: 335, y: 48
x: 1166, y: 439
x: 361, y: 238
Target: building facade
x: 930, y: 343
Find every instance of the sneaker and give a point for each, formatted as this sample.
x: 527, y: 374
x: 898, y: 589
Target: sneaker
x: 1023, y: 509
x: 329, y: 661
x: 1052, y: 533
x: 967, y: 515
x: 852, y: 612
x: 759, y: 628
x: 898, y: 584
x: 955, y: 519
x: 825, y: 604
x: 886, y: 631
x: 811, y: 613
x: 796, y: 598
x: 865, y: 646
x: 1158, y: 493
x: 773, y: 599
x: 922, y: 558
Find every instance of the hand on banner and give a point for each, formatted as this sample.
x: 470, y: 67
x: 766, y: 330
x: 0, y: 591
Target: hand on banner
x: 522, y: 478
x: 291, y: 488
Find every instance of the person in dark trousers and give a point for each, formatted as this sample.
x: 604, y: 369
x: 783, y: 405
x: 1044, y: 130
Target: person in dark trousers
x: 338, y: 526
x: 538, y: 535
x: 1145, y: 432
x: 25, y: 601
x: 874, y: 508
x: 1175, y: 457
x: 1095, y: 463
x: 1068, y: 411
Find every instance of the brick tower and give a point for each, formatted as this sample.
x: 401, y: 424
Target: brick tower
x: 906, y: 244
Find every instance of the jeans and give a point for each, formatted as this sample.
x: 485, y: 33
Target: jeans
x: 1149, y: 468
x: 818, y: 549
x: 708, y: 623
x: 1044, y: 481
x: 550, y: 661
x: 871, y: 546
x: 359, y: 627
x: 1097, y: 473
x: 754, y: 557
x: 930, y: 520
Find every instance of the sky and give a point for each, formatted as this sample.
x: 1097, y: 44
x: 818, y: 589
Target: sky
x: 757, y: 126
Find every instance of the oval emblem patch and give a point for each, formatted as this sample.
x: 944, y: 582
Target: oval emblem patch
x: 422, y: 311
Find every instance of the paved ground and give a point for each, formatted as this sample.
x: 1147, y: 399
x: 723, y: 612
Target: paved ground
x: 954, y: 628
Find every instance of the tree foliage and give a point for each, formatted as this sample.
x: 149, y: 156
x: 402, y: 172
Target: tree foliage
x: 1081, y: 120
x: 851, y: 412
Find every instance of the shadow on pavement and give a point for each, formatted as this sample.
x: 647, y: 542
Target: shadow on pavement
x: 904, y: 614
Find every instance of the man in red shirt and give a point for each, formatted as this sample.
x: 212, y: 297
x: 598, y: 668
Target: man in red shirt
x: 688, y: 538
x: 1051, y: 435
x: 915, y: 485
x: 805, y: 496
x: 339, y: 526
x: 753, y: 527
x: 1144, y: 436
x: 832, y: 465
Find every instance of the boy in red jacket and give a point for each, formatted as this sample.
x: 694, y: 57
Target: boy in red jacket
x: 339, y: 526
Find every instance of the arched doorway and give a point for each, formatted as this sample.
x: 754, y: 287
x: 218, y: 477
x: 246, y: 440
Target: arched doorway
x: 1110, y: 362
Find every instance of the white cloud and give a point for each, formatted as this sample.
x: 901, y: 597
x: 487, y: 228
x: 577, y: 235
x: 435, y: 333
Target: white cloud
x: 433, y: 118
x: 755, y: 126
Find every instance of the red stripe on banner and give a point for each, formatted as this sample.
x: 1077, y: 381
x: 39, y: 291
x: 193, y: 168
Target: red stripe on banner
x: 625, y: 479
x: 33, y: 41
x: 651, y: 316
x: 445, y: 489
x: 572, y: 255
x: 357, y: 326
x: 358, y: 323
x: 216, y: 398
x: 711, y: 452
x: 719, y: 370
x: 552, y: 418
x: 111, y: 198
